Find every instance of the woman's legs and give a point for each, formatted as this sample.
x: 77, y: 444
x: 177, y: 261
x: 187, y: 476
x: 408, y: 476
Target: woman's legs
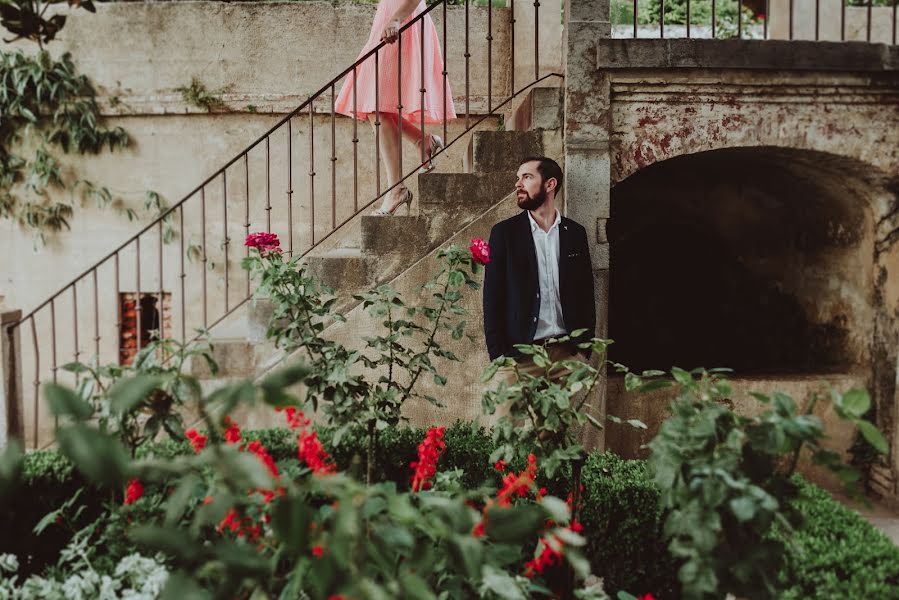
x: 390, y: 145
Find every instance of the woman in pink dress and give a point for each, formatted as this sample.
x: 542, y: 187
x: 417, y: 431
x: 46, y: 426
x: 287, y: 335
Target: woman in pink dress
x: 395, y: 124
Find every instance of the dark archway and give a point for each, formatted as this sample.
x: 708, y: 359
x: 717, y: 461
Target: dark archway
x: 756, y: 259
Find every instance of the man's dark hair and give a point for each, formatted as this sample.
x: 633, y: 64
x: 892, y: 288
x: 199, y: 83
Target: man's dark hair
x: 548, y: 169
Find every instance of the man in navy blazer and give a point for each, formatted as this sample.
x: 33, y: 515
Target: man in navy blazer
x: 539, y: 281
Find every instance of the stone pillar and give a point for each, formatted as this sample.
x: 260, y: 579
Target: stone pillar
x: 12, y: 422
x: 587, y: 185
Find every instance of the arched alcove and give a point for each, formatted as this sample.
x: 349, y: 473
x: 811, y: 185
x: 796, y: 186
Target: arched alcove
x: 757, y: 259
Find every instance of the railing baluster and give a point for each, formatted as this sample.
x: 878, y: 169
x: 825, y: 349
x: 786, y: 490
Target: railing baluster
x: 54, y: 366
x: 311, y: 173
x: 225, y: 230
x: 96, y: 316
x: 333, y: 165
x: 444, y: 72
x: 137, y: 303
x: 489, y: 55
x: 895, y: 3
x: 425, y: 152
x: 842, y: 20
x: 182, y: 275
x: 662, y: 19
x: 37, y: 382
x: 377, y: 133
x: 536, y: 40
x: 765, y: 20
x: 75, y: 319
x: 688, y: 16
x: 792, y: 10
x: 205, y: 256
x: 467, y: 56
x: 160, y: 306
x: 246, y: 211
x: 635, y: 19
x: 118, y: 304
x: 817, y: 20
x: 289, y: 188
x: 399, y: 103
x: 268, y: 186
x: 355, y: 149
x: 714, y: 20
x: 511, y: 55
x: 868, y: 32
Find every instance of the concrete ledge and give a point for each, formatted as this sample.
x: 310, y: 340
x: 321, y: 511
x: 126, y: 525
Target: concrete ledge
x: 747, y: 54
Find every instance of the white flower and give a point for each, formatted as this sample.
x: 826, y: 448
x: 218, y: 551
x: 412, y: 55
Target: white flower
x: 9, y: 563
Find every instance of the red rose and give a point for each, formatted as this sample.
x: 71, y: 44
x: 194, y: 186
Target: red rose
x: 317, y: 551
x: 267, y: 243
x: 480, y: 251
x: 134, y: 491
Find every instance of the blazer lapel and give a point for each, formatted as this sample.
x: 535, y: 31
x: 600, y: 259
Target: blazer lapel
x: 565, y: 248
x: 527, y: 239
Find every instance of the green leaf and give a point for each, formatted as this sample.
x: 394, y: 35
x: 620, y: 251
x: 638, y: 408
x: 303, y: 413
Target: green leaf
x: 66, y: 403
x: 500, y: 583
x: 743, y: 508
x: 172, y: 541
x: 873, y: 436
x: 101, y: 458
x: 681, y: 376
x: 290, y: 521
x: 180, y: 586
x: 177, y: 501
x: 514, y: 524
x: 10, y: 467
x: 637, y: 424
x: 415, y: 587
x: 274, y: 385
x: 127, y: 394
x: 856, y: 402
x: 557, y: 509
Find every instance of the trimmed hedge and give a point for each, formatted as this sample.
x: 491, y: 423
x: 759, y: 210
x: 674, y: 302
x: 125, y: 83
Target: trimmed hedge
x: 839, y: 555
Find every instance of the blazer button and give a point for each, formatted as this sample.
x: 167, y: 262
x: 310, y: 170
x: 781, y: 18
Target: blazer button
x: 538, y: 295
x: 535, y: 319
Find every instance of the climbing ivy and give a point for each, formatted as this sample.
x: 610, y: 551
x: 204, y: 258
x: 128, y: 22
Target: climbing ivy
x: 46, y: 107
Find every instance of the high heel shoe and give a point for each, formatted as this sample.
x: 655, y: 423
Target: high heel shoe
x: 406, y: 199
x: 436, y: 146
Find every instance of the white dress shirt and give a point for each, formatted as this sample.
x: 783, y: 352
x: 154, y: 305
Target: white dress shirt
x: 546, y: 244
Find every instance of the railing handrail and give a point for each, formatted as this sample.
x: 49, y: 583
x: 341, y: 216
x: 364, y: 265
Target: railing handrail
x: 162, y: 216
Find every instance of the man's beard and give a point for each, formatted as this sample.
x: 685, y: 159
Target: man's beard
x: 532, y: 202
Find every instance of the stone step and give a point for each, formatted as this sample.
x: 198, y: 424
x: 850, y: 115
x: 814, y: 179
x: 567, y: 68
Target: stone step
x: 345, y: 270
x: 236, y: 358
x: 398, y: 235
x: 455, y: 192
x: 502, y: 151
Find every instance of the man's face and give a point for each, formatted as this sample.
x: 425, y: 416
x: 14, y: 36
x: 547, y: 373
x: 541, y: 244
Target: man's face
x: 530, y: 190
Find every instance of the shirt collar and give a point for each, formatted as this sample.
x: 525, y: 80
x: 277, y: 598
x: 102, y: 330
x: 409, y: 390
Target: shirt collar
x: 535, y: 226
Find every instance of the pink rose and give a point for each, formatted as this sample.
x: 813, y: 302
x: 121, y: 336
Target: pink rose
x: 480, y: 251
x: 267, y: 243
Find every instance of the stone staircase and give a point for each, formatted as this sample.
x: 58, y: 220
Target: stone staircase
x: 449, y: 208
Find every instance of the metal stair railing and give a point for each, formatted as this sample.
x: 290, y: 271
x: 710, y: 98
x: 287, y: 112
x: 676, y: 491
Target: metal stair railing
x: 161, y: 275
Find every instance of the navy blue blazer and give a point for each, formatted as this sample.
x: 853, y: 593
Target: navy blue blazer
x: 512, y: 290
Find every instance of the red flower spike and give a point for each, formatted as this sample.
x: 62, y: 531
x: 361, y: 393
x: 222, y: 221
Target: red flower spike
x: 646, y: 597
x: 232, y: 431
x: 317, y: 551
x: 196, y: 440
x: 134, y: 491
x: 480, y: 251
x: 500, y: 465
x: 429, y: 451
x: 313, y: 453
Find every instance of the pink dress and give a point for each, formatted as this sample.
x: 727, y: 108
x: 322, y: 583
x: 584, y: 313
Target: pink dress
x: 388, y: 73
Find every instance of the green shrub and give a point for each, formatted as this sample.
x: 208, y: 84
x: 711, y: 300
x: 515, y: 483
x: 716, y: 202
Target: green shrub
x: 837, y: 554
x: 623, y: 526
